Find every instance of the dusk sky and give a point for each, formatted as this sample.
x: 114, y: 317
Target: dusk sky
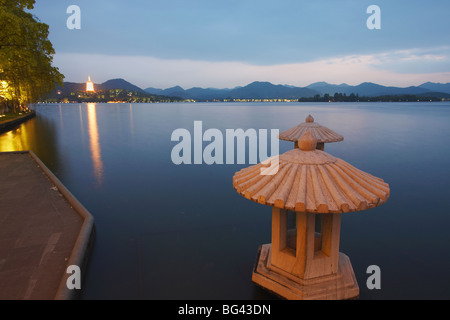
x: 223, y: 44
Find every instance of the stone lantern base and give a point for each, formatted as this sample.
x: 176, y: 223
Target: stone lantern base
x: 340, y: 286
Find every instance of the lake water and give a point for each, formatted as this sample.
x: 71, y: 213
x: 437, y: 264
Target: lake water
x: 182, y: 232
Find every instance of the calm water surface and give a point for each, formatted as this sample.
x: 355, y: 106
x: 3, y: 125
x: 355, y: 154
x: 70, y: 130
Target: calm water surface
x: 182, y: 232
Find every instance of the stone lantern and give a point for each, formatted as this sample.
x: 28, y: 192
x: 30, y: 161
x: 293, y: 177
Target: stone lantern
x: 308, y: 194
x: 321, y: 133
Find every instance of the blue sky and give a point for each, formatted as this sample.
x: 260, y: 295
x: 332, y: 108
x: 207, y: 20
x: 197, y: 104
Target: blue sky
x: 229, y: 43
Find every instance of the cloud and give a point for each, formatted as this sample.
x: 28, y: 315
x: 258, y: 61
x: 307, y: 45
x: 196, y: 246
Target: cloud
x: 419, y: 60
x: 400, y: 68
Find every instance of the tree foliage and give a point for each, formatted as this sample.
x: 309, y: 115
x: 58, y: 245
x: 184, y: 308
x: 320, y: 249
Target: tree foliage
x: 26, y: 55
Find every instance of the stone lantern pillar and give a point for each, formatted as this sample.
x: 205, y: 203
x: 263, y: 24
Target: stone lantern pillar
x: 308, y: 195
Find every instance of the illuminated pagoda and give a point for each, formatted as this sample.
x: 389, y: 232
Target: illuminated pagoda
x: 90, y: 85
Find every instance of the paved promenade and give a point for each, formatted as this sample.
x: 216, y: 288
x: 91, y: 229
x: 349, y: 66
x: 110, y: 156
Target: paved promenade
x: 43, y: 230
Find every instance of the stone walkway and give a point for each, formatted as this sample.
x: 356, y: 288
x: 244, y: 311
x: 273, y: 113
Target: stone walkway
x: 43, y: 229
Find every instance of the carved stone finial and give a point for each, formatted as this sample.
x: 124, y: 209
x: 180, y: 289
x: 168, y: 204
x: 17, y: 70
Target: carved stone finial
x: 307, y: 142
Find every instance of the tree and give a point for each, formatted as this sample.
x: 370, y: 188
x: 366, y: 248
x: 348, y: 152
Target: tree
x: 26, y: 56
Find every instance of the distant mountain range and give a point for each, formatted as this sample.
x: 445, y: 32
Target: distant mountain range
x: 267, y: 90
x: 369, y: 89
x: 110, y: 84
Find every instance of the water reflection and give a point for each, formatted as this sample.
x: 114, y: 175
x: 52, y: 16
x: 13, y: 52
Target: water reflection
x: 61, y: 118
x: 38, y: 135
x: 94, y: 143
x: 15, y: 140
x: 131, y: 120
x: 81, y: 118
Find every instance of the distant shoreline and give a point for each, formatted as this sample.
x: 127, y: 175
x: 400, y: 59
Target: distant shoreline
x: 127, y: 96
x: 243, y: 101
